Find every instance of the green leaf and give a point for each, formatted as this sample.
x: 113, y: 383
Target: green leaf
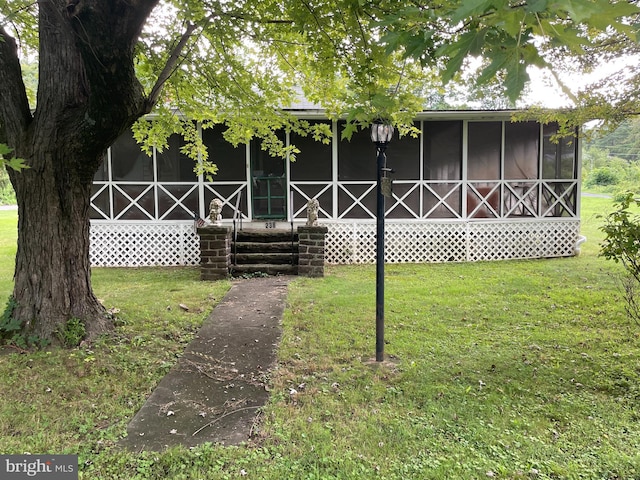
x: 349, y: 129
x: 469, y: 43
x: 417, y: 45
x: 470, y: 8
x: 498, y: 61
x: 512, y: 22
x: 515, y: 79
x: 580, y: 10
x: 15, y: 164
x: 5, y: 149
x: 536, y: 6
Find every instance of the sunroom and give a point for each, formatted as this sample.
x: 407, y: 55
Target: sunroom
x: 473, y: 185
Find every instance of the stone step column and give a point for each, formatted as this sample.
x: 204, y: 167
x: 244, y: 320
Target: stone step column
x: 311, y: 241
x: 215, y: 252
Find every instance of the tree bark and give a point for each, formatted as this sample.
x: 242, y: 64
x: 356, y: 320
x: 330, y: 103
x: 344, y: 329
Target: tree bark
x: 87, y: 95
x: 52, y: 281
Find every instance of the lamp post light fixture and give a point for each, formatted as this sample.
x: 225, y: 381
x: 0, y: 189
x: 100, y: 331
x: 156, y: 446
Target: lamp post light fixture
x: 381, y: 135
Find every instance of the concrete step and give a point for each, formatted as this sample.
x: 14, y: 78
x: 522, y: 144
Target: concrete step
x: 265, y: 235
x: 264, y: 247
x: 265, y: 258
x: 263, y: 268
x: 270, y: 252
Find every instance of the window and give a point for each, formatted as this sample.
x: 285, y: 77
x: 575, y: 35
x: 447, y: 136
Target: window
x: 102, y: 174
x: 442, y: 150
x: 559, y: 155
x: 483, y: 163
x: 313, y: 163
x: 231, y: 161
x: 521, y: 150
x: 128, y: 161
x: 173, y: 165
x: 356, y: 157
x: 483, y: 159
x: 403, y: 156
x: 442, y: 162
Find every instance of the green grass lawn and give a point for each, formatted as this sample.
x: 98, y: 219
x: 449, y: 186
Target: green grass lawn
x: 518, y: 370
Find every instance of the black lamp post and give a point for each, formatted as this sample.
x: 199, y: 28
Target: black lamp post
x: 381, y: 135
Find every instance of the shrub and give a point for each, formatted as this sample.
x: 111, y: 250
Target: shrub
x: 72, y: 333
x: 602, y: 176
x: 622, y: 245
x: 8, y: 325
x: 11, y: 330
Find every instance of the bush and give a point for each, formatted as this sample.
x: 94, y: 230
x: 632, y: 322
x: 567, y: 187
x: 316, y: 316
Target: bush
x: 602, y: 176
x: 622, y: 245
x: 11, y: 330
x: 72, y: 333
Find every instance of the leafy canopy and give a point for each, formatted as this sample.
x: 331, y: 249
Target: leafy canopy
x: 239, y: 62
x: 510, y: 36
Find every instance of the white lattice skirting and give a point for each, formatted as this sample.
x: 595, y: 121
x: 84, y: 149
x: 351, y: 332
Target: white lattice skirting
x: 144, y: 244
x: 452, y: 242
x: 172, y: 244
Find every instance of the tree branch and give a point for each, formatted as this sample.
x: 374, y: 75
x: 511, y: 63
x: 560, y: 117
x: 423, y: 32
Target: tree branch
x: 169, y: 68
x: 174, y: 57
x: 15, y: 115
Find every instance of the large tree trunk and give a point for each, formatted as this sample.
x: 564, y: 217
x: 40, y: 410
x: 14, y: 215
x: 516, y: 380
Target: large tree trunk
x: 87, y: 95
x: 52, y: 275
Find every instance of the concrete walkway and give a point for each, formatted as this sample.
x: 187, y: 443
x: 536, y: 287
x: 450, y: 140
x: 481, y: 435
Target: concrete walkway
x: 214, y: 392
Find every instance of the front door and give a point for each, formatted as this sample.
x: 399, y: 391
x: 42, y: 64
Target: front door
x: 268, y: 185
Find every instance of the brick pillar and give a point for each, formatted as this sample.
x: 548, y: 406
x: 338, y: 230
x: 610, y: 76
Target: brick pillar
x: 215, y: 252
x: 311, y: 251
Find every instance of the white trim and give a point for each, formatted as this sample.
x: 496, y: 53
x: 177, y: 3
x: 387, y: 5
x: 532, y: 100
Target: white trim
x: 399, y: 200
x: 202, y: 212
x: 287, y: 172
x: 178, y: 202
x: 421, y: 169
x: 334, y: 169
x: 134, y: 202
x: 442, y: 200
x: 303, y: 207
x: 503, y: 134
x: 465, y: 161
x: 357, y: 201
x: 248, y: 179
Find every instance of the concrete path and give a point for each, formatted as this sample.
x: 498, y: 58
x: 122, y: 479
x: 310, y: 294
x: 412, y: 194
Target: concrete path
x: 215, y: 390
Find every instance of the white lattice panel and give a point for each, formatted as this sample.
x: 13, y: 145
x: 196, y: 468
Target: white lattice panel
x: 137, y: 245
x: 504, y: 240
x: 134, y: 245
x: 455, y: 241
x: 433, y: 242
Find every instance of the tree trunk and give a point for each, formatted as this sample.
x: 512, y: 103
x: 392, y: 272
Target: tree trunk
x: 52, y: 275
x: 87, y: 95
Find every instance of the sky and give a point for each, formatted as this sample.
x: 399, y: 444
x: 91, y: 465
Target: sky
x: 546, y: 92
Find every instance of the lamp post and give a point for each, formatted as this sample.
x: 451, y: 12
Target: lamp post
x: 381, y: 135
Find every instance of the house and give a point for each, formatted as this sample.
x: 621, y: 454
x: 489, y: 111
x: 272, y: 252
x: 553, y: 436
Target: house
x: 473, y: 186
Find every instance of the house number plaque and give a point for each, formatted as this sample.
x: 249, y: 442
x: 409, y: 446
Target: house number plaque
x: 386, y: 185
